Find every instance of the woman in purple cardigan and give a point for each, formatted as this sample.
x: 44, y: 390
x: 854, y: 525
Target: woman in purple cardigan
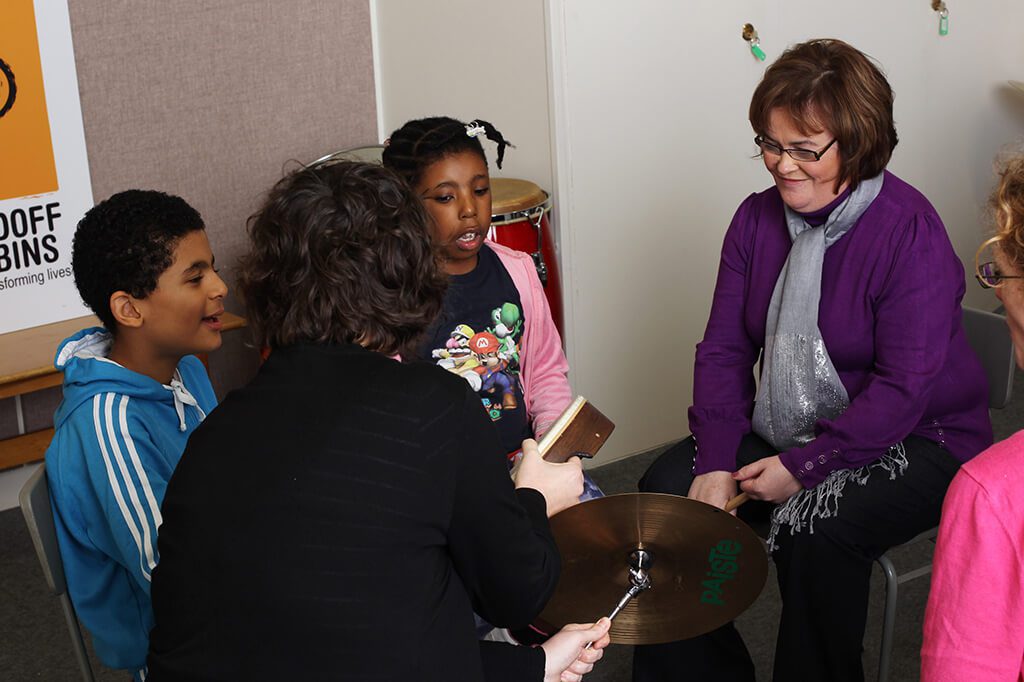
x: 842, y: 281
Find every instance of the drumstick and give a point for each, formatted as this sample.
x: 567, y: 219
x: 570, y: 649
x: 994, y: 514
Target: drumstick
x: 736, y: 501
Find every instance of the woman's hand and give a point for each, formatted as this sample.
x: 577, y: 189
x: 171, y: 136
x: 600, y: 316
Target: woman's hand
x: 560, y: 484
x: 768, y: 479
x: 714, y: 488
x: 566, y: 658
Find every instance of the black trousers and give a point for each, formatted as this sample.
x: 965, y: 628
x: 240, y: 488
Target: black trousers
x: 823, y: 576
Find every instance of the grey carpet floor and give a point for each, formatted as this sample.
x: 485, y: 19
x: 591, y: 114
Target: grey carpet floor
x: 34, y: 643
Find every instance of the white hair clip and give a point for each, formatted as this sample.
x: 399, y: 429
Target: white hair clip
x: 473, y: 129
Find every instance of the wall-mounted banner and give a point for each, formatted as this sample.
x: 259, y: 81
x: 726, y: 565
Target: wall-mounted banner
x: 44, y: 170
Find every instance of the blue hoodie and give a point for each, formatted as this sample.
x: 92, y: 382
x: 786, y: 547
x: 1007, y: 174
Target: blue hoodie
x: 119, y: 436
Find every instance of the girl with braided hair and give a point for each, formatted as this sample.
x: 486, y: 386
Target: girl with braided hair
x: 496, y: 329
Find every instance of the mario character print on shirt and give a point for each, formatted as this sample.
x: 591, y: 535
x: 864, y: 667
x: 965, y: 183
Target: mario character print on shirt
x: 488, y: 360
x: 456, y: 353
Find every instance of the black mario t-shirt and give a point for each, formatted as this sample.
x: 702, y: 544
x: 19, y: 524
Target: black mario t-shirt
x: 477, y: 336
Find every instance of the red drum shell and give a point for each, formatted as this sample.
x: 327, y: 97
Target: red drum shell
x: 519, y: 221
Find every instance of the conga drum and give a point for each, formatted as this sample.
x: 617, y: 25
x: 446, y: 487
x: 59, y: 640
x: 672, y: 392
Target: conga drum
x: 519, y: 220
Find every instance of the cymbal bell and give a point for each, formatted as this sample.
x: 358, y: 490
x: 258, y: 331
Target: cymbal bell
x: 707, y: 566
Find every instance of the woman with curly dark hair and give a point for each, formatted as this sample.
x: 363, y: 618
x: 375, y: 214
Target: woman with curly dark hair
x: 342, y: 515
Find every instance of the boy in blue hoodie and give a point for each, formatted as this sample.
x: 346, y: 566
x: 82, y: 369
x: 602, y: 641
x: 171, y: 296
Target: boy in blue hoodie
x: 133, y: 392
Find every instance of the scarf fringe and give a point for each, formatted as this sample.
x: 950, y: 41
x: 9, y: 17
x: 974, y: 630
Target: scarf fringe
x: 822, y: 501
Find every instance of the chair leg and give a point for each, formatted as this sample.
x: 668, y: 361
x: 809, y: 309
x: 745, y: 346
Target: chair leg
x: 889, y: 619
x: 77, y: 643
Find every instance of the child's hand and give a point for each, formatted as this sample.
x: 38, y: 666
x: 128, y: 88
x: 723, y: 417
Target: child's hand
x: 560, y: 484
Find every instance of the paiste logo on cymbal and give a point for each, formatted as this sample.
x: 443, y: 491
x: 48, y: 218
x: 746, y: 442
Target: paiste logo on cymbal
x: 723, y: 560
x: 8, y: 89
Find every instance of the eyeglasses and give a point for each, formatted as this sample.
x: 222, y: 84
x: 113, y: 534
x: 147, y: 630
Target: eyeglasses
x: 987, y: 273
x: 796, y: 154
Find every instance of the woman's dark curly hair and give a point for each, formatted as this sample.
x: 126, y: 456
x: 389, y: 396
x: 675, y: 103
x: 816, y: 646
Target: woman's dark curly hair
x: 419, y: 143
x: 826, y: 83
x: 341, y: 253
x: 125, y: 243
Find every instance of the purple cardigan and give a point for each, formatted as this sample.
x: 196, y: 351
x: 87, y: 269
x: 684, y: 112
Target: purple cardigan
x: 890, y: 318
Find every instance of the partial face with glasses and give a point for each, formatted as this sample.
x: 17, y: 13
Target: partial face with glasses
x: 804, y: 165
x: 994, y: 270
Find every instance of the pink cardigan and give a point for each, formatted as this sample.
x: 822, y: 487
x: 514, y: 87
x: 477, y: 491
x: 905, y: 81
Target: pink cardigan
x: 974, y: 622
x: 546, y: 390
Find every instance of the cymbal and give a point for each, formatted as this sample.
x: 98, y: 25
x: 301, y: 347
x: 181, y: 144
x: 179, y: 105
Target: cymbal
x: 708, y: 566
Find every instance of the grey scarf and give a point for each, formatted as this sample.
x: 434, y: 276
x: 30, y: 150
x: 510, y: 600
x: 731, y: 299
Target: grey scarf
x: 799, y: 384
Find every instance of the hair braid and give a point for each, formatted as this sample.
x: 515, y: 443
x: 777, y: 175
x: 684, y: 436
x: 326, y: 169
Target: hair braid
x: 421, y: 142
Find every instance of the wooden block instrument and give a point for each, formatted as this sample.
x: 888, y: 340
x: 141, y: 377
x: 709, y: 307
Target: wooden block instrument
x: 580, y: 430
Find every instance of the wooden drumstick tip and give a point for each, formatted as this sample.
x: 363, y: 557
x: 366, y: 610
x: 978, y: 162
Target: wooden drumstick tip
x: 736, y: 501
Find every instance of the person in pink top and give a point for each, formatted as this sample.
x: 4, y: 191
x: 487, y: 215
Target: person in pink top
x: 974, y: 622
x: 495, y: 329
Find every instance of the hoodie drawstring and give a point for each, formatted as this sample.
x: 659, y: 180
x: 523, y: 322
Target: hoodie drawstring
x: 182, y: 398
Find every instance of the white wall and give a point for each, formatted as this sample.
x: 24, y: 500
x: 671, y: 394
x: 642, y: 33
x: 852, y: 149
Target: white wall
x: 469, y: 59
x: 648, y: 150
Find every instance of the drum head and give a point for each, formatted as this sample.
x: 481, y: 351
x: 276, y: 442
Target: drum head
x: 509, y: 195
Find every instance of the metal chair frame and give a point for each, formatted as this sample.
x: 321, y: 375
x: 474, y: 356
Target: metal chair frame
x: 35, y: 505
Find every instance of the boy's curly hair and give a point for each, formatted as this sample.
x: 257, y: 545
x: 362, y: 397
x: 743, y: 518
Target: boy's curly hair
x: 125, y: 243
x: 341, y: 253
